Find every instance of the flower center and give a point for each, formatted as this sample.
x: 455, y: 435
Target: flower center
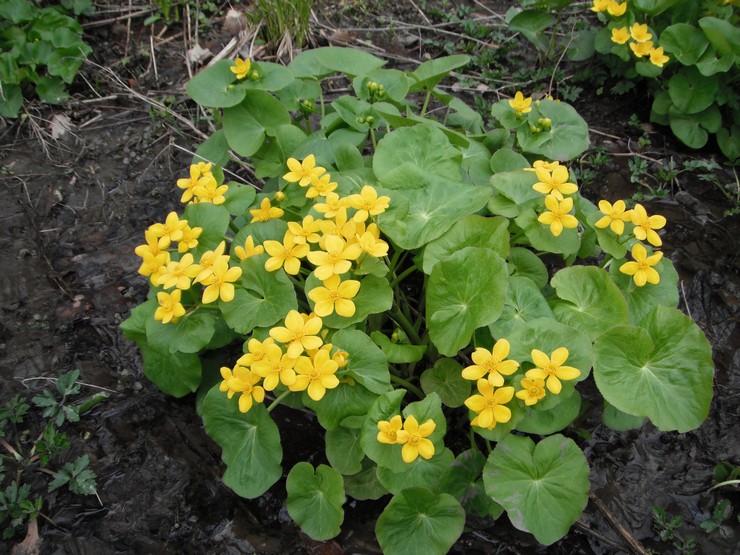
x: 533, y: 391
x: 489, y: 402
x: 334, y: 296
x: 414, y: 439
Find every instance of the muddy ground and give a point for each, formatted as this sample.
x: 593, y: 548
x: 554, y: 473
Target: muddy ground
x: 74, y: 208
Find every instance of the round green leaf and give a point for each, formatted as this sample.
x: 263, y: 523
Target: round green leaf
x: 687, y: 127
x: 213, y: 219
x: 729, y: 142
x: 464, y: 292
x: 531, y: 24
x: 547, y: 422
x: 364, y: 484
x: 247, y: 123
x: 620, y: 421
x: 517, y: 186
x: 544, y: 488
x: 589, y: 300
x: 350, y: 61
x: 685, y: 42
x: 692, y: 92
x: 463, y: 481
x: 398, y: 353
x: 506, y: 160
x: 417, y: 521
x: 343, y: 449
x: 366, y: 363
x: 524, y: 303
x: 469, y: 231
x: 423, y: 473
x: 213, y: 87
x: 662, y: 370
x: 524, y: 263
x: 273, y: 77
x: 724, y: 35
x: 567, y: 138
x: 542, y: 239
x: 395, y: 83
x: 339, y: 403
x: 315, y: 500
x: 445, y: 379
x: 239, y: 198
x: 431, y: 72
x: 261, y: 298
x: 250, y: 443
x: 176, y: 374
x: 641, y: 300
x: 189, y: 334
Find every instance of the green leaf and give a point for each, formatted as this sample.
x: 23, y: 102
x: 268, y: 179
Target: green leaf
x: 662, y: 370
x: 417, y: 521
x: 422, y: 146
x: 257, y: 116
x: 506, y: 160
x: 339, y: 403
x: 395, y: 83
x: 729, y: 142
x: 531, y: 24
x: 589, y: 300
x: 366, y: 363
x: 724, y: 35
x: 711, y: 64
x: 190, y: 334
x: 364, y: 484
x: 463, y: 481
x: 544, y: 488
x: 641, y: 300
x: 685, y: 42
x: 214, y: 220
x: 176, y: 374
x: 261, y: 298
x: 420, y: 473
x: 567, y: 138
x: 687, y: 127
x: 213, y: 87
x: 315, y: 500
x: 620, y: 421
x: 582, y: 45
x: 215, y: 149
x: 17, y: 11
x: 524, y: 302
x: 51, y: 90
x: 64, y: 62
x: 250, y: 443
x: 350, y: 61
x: 298, y: 90
x: 11, y: 101
x: 239, y: 198
x: 272, y: 77
x: 527, y: 264
x: 375, y: 296
x: 417, y: 217
x: 465, y: 291
x: 517, y: 186
x: 542, y: 239
x: 398, y: 353
x: 134, y: 327
x: 445, y: 379
x: 431, y: 72
x: 343, y: 449
x: 692, y: 92
x: 469, y: 231
x: 547, y: 422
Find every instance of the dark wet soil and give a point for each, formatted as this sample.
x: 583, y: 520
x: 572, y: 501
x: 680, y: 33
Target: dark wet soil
x: 71, y: 218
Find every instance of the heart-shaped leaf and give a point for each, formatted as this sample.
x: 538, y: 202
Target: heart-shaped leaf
x: 315, y: 500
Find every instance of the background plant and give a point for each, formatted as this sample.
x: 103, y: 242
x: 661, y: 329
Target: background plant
x: 281, y: 19
x: 441, y: 223
x: 41, y: 48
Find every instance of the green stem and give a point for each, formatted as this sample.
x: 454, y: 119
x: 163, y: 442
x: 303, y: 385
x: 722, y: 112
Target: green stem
x: 232, y: 227
x: 426, y: 103
x: 278, y: 399
x: 372, y: 138
x: 403, y: 321
x: 402, y: 276
x: 89, y: 403
x: 408, y: 385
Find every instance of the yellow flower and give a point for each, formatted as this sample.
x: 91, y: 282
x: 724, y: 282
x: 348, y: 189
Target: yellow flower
x: 200, y: 174
x: 615, y: 8
x: 170, y: 308
x: 657, y: 57
x: 367, y: 203
x: 275, y: 368
x: 265, y: 212
x: 303, y: 172
x: 337, y: 226
x: 614, y: 216
x: 331, y: 206
x: 298, y: 333
x: 151, y: 265
x: 220, y: 282
x: 244, y: 381
x: 189, y: 239
x: 489, y: 405
x: 414, y: 439
x: 207, y: 190
x: 520, y: 104
x: 600, y: 5
x: 558, y: 217
x: 645, y: 226
x: 336, y: 259
x: 152, y: 245
x: 388, y: 433
x: 533, y: 389
x: 640, y: 33
x: 285, y: 255
x: 340, y: 357
x: 621, y: 35
x: 241, y: 67
x: 315, y: 376
x: 307, y: 231
x: 552, y: 368
x: 178, y: 273
x: 547, y: 166
x: 257, y: 350
x: 335, y: 296
x: 248, y: 249
x: 170, y: 230
x: 321, y: 186
x: 554, y: 183
x: 641, y: 49
x: 641, y: 269
x: 208, y: 259
x: 372, y: 246
x: 491, y: 362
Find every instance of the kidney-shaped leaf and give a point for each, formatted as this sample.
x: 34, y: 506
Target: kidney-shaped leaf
x: 544, y: 488
x: 250, y: 443
x: 315, y: 500
x: 662, y: 370
x: 417, y: 521
x: 465, y: 291
x: 213, y: 87
x: 350, y: 61
x: 431, y: 72
x: 365, y: 361
x: 566, y: 139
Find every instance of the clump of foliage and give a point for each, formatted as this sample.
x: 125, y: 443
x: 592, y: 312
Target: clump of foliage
x: 40, y: 48
x: 386, y: 273
x: 281, y: 20
x: 25, y: 451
